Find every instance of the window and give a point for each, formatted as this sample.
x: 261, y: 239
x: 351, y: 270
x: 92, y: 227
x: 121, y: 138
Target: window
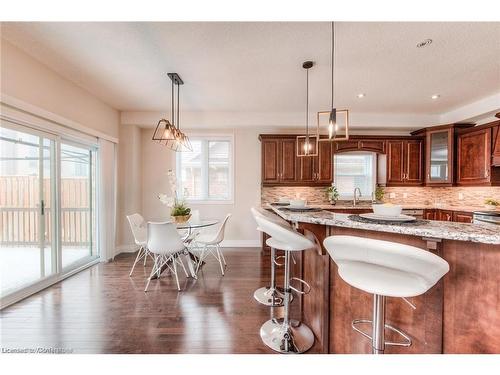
x: 355, y: 169
x: 205, y: 174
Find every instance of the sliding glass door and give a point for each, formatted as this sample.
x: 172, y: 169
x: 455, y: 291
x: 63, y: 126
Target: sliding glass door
x: 78, y: 195
x: 27, y: 181
x: 48, y: 215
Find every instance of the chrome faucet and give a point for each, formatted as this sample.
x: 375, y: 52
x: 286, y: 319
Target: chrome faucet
x: 354, y: 199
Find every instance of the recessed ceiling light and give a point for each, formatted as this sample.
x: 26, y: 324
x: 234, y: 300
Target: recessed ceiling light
x: 424, y: 43
x: 435, y: 96
x: 361, y: 95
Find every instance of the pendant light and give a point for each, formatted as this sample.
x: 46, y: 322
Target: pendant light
x: 307, y: 145
x: 337, y: 120
x: 169, y: 133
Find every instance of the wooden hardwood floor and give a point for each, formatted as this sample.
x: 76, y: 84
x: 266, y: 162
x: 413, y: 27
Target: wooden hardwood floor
x: 103, y: 310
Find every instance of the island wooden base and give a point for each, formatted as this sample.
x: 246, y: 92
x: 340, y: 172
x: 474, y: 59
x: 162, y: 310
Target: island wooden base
x: 460, y: 314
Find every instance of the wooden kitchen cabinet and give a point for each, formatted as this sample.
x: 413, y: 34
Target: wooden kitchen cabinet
x: 462, y: 217
x: 430, y: 214
x: 364, y: 144
x: 445, y: 215
x: 282, y: 166
x: 474, y: 158
x: 495, y: 158
x: 405, y: 162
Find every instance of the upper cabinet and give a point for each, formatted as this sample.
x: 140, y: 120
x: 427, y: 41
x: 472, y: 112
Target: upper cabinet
x: 404, y: 162
x: 282, y: 166
x: 495, y: 159
x: 474, y: 158
x: 439, y: 157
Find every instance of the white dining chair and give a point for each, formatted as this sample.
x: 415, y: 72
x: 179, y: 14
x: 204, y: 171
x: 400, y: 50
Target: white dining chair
x: 209, y: 244
x: 166, y: 245
x: 139, y: 231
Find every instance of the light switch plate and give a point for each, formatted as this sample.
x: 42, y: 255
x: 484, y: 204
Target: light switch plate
x: 405, y: 195
x: 460, y: 196
x: 392, y: 195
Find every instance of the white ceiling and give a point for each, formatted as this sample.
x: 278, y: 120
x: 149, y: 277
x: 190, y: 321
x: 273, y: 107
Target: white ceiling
x: 257, y: 66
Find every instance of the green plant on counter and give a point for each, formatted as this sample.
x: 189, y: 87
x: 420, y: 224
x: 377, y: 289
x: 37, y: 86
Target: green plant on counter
x: 180, y: 209
x: 332, y: 193
x: 491, y: 202
x: 379, y: 193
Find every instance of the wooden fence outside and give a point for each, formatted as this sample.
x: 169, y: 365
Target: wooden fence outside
x: 20, y: 208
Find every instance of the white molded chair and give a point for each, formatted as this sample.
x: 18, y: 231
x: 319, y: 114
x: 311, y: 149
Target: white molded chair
x: 140, y: 233
x: 287, y: 336
x: 209, y: 244
x: 384, y: 269
x: 167, y: 246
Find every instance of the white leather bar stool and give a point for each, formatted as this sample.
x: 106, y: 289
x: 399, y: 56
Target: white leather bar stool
x: 286, y: 335
x: 270, y: 295
x: 384, y: 269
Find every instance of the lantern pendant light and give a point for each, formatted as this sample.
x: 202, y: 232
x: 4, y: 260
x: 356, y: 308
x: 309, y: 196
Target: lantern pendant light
x: 169, y: 133
x: 337, y: 120
x: 307, y: 145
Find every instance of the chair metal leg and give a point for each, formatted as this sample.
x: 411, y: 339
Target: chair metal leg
x: 271, y: 295
x: 137, y: 258
x: 179, y: 259
x: 151, y: 275
x: 222, y: 255
x: 145, y: 256
x: 378, y: 326
x: 175, y: 274
x: 220, y: 260
x: 200, y: 260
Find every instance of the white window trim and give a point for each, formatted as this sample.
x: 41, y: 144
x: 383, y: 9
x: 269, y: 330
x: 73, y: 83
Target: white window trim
x: 213, y: 137
x: 363, y: 197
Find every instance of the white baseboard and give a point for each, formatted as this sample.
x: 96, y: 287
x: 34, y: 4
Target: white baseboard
x: 240, y: 243
x: 126, y: 249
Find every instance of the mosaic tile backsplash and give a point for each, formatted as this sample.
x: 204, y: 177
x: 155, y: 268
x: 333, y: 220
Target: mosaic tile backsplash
x: 429, y: 196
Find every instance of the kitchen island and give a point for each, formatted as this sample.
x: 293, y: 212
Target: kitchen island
x: 460, y: 314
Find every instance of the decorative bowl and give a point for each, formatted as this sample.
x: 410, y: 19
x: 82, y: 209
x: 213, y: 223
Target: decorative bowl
x: 298, y: 202
x: 387, y: 210
x: 180, y: 219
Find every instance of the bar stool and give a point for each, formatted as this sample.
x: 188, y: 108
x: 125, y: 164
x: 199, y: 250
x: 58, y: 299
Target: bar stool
x: 272, y: 295
x: 384, y: 269
x: 286, y: 335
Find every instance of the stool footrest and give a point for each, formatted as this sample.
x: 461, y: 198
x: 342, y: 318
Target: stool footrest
x: 308, y: 287
x: 406, y: 342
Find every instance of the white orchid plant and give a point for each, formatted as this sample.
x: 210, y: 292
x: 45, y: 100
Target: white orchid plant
x: 177, y: 206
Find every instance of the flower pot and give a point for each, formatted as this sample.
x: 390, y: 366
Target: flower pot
x: 180, y: 219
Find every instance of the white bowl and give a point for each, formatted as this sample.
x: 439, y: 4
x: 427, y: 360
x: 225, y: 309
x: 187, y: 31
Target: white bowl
x: 298, y: 202
x: 284, y: 200
x: 387, y: 210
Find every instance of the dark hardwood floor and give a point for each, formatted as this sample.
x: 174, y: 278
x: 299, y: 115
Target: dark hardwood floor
x: 103, y: 310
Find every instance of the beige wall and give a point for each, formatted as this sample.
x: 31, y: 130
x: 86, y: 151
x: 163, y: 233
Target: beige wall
x: 26, y: 79
x: 129, y: 191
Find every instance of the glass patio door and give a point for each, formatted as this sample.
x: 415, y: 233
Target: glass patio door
x: 78, y: 202
x: 28, y: 246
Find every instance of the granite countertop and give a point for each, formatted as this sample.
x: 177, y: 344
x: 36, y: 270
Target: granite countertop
x: 433, y: 229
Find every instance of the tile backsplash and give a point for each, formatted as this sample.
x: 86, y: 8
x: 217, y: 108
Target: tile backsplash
x: 429, y: 196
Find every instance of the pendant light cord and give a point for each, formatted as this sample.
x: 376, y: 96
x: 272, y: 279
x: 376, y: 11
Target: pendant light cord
x: 333, y: 61
x: 307, y: 105
x: 172, y: 110
x: 178, y: 104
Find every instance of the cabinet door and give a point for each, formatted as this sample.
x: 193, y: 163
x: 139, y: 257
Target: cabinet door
x: 324, y: 163
x: 439, y: 157
x: 270, y: 160
x: 306, y: 174
x: 462, y: 217
x: 343, y: 146
x: 445, y: 215
x: 288, y: 158
x: 496, y: 146
x: 413, y: 163
x: 474, y: 153
x: 395, y: 162
x: 430, y: 214
x: 374, y: 145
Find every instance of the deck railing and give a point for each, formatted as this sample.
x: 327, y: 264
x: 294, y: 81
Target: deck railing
x: 20, y: 211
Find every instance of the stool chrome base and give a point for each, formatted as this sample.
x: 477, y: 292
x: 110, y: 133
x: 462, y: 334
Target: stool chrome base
x: 268, y: 296
x: 296, y: 337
